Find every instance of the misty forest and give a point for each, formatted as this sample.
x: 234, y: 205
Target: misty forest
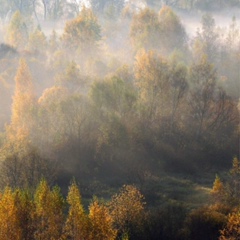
x: 119, y: 120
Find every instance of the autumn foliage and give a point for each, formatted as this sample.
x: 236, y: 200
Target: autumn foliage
x: 46, y: 214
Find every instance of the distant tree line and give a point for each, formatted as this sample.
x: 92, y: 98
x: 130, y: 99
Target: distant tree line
x: 79, y: 108
x: 57, y: 9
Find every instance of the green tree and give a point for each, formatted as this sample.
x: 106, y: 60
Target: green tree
x: 17, y: 32
x: 212, y: 110
x: 205, y: 223
x: 203, y: 87
x: 153, y: 81
x: 206, y: 41
x: 21, y: 163
x: 145, y: 30
x: 113, y: 105
x: 172, y: 32
x: 178, y: 90
x: 51, y: 117
x: 37, y: 41
x: 72, y: 79
x: 229, y: 60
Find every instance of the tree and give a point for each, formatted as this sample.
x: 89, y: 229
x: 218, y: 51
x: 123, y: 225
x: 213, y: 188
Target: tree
x: 24, y: 101
x: 203, y: 77
x: 145, y: 30
x: 17, y: 32
x: 205, y: 223
x: 113, y: 105
x: 53, y: 42
x: 218, y: 191
x: 48, y: 217
x: 233, y: 184
x: 82, y: 33
x: 9, y: 219
x: 178, y: 89
x: 56, y: 9
x: 101, y: 222
x: 37, y: 41
x: 231, y: 231
x: 25, y: 7
x: 212, y: 110
x: 228, y: 192
x: 206, y: 41
x: 172, y: 32
x: 229, y: 59
x: 21, y: 163
x: 51, y: 117
x: 15, y: 210
x: 103, y: 6
x: 113, y: 95
x: 127, y: 208
x: 72, y: 79
x: 153, y: 81
x: 25, y: 209
x: 77, y: 223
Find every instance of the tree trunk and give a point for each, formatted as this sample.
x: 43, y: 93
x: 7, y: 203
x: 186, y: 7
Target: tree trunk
x: 45, y: 9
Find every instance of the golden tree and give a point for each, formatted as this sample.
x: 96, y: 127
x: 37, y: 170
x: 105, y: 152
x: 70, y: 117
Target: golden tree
x: 232, y: 230
x: 218, y: 190
x: 101, y: 222
x: 10, y: 227
x: 24, y: 102
x: 48, y: 216
x: 82, y: 33
x: 25, y: 209
x: 21, y: 163
x: 127, y: 208
x: 77, y: 224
